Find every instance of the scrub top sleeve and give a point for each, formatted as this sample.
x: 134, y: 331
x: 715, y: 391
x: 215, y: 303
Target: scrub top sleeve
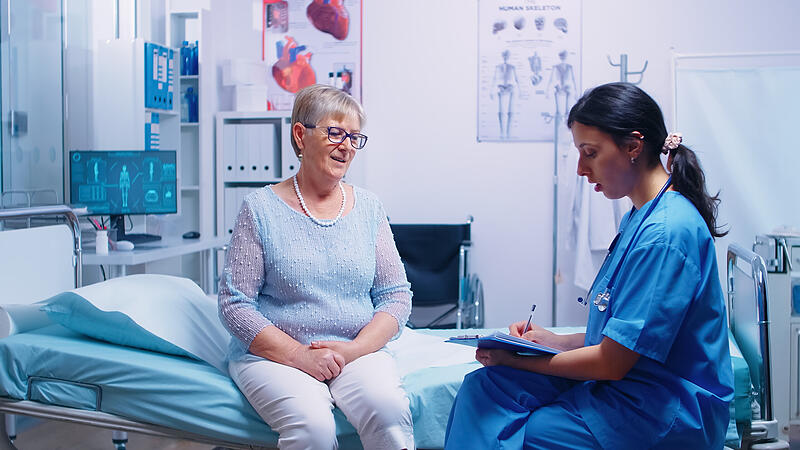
x: 652, y: 295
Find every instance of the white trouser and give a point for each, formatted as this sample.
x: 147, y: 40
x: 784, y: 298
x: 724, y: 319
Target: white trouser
x: 300, y: 408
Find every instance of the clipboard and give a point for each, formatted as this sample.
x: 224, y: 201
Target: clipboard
x: 504, y: 341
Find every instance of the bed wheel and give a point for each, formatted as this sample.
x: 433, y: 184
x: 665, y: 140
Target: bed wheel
x: 119, y: 439
x: 11, y: 427
x: 7, y: 432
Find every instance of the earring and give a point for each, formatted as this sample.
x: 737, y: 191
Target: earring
x: 633, y: 160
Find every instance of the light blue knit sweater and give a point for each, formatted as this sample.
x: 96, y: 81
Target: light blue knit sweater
x: 312, y: 282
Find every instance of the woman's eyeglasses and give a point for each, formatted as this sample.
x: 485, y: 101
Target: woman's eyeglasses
x: 338, y: 135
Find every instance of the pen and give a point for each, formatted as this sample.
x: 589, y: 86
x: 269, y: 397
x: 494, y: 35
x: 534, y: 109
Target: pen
x: 530, y: 318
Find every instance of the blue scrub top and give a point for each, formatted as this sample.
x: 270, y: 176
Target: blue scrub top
x: 667, y: 305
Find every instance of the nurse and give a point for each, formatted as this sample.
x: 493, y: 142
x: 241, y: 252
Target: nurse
x: 652, y: 369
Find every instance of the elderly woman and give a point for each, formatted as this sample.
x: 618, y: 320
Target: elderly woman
x: 313, y: 289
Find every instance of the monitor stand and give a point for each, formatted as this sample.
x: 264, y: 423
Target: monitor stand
x: 118, y: 223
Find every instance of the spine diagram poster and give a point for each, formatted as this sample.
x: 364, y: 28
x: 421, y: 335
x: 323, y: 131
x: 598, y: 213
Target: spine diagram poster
x: 311, y: 41
x: 528, y: 67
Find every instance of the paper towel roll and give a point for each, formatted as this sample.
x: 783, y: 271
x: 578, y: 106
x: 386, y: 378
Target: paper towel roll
x: 21, y: 318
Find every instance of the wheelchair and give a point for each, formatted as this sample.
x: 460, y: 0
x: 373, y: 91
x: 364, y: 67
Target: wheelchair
x: 447, y: 294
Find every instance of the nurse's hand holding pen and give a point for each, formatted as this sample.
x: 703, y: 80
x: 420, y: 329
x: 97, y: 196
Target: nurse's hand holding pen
x: 534, y: 333
x: 537, y: 334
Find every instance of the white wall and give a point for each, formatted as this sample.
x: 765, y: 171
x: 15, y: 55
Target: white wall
x: 420, y: 75
x: 420, y: 71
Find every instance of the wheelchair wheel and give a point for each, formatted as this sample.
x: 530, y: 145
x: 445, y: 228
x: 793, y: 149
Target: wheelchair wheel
x: 472, y: 312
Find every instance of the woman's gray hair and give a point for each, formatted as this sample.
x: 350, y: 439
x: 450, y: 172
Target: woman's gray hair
x: 318, y: 101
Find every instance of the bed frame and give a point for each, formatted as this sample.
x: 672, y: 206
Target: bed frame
x: 69, y: 277
x: 748, y: 318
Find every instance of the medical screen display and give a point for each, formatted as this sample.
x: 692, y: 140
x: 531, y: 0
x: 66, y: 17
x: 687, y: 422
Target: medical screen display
x: 123, y: 182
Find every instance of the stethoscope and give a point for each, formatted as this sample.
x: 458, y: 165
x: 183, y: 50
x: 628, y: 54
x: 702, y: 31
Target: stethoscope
x: 602, y: 299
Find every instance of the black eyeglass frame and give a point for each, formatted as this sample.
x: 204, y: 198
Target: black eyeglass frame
x: 345, y: 135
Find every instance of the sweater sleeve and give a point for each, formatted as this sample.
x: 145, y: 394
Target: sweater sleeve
x: 242, y: 280
x: 391, y: 291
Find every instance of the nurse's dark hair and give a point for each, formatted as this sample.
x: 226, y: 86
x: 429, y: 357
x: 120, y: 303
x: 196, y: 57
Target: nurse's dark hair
x: 619, y: 109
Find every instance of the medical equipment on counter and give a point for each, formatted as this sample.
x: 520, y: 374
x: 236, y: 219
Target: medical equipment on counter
x: 602, y: 299
x: 101, y: 242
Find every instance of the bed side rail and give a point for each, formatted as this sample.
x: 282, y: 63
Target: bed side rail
x: 57, y: 211
x: 763, y: 431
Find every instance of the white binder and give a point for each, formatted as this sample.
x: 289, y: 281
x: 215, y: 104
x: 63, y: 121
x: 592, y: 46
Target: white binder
x: 288, y: 159
x: 231, y: 210
x: 268, y: 152
x: 229, y: 152
x: 255, y: 151
x: 242, y: 168
x: 241, y: 193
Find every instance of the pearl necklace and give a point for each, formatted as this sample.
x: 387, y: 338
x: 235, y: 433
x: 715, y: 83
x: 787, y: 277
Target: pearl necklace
x: 320, y: 222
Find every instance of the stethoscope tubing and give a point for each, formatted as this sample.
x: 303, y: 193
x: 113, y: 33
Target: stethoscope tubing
x: 603, y: 299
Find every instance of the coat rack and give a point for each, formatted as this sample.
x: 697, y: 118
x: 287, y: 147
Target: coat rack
x: 623, y: 69
x: 623, y: 76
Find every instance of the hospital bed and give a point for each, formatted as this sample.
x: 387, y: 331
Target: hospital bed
x: 54, y: 373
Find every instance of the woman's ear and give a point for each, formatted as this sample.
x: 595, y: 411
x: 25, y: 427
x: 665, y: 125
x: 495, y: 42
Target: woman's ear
x: 299, y: 131
x: 635, y: 146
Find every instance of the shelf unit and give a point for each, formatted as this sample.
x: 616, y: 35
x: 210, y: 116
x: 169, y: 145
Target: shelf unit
x: 196, y: 138
x: 253, y: 149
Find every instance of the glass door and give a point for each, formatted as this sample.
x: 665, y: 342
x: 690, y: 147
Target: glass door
x: 31, y: 107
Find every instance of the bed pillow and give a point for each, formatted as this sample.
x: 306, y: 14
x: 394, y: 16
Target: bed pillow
x: 18, y: 318
x: 160, y: 313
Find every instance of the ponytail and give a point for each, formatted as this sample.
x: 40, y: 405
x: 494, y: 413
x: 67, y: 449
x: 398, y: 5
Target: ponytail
x: 688, y: 179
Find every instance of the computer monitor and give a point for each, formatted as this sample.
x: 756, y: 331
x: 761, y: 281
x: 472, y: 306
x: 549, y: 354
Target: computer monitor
x: 116, y: 183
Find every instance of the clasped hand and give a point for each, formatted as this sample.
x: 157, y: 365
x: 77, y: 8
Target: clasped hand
x: 321, y: 363
x: 325, y: 360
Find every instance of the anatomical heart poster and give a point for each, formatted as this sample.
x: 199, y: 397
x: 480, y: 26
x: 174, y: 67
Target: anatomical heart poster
x: 311, y: 41
x: 529, y: 67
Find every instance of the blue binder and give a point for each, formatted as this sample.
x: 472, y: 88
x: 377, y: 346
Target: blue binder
x: 163, y: 55
x: 504, y: 341
x: 150, y: 63
x: 170, y: 78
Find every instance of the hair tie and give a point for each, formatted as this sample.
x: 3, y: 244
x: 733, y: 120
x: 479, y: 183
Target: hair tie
x: 672, y: 142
